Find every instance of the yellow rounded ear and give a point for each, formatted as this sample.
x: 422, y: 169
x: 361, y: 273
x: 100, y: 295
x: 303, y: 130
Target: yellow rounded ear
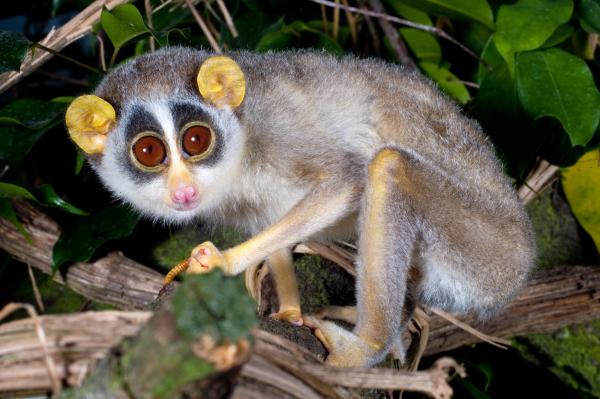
x: 221, y: 82
x: 89, y: 119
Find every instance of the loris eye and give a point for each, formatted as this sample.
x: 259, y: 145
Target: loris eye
x: 149, y: 151
x: 197, y: 140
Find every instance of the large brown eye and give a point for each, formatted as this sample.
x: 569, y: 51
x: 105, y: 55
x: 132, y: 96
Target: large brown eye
x: 196, y: 140
x: 149, y: 151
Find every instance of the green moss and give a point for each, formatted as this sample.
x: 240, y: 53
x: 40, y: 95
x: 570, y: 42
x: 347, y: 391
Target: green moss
x: 322, y: 283
x: 573, y: 354
x: 555, y: 230
x: 180, y: 244
x: 188, y: 369
x: 214, y: 304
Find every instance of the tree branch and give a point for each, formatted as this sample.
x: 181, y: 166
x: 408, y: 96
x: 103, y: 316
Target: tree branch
x: 554, y: 298
x: 276, y: 368
x: 57, y: 39
x: 113, y: 279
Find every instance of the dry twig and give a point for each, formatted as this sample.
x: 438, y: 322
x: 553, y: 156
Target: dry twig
x: 542, y: 175
x: 394, y: 37
x: 58, y: 39
x: 36, y: 290
x: 438, y: 32
x: 202, y: 24
x: 228, y: 19
x: 55, y: 382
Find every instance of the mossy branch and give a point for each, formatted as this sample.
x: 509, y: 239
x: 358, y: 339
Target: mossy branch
x: 203, y: 329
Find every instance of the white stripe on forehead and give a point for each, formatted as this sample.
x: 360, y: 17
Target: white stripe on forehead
x: 160, y: 110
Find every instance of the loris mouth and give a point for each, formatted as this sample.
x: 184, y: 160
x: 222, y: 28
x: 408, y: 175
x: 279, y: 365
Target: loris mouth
x: 186, y: 206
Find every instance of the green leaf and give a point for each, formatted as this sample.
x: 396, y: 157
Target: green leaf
x: 581, y: 183
x: 274, y: 41
x: 423, y: 44
x: 555, y: 83
x: 23, y: 122
x: 447, y: 81
x: 122, y: 24
x: 561, y: 34
x: 477, y: 10
x: 295, y: 35
x: 13, y: 47
x: 527, y: 24
x: 589, y: 11
x: 8, y: 190
x: 48, y: 196
x: 490, y: 55
x: 410, y: 13
x: 8, y: 212
x: 79, y: 161
x: 81, y: 238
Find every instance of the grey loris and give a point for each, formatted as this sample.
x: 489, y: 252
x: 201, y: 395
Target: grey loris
x: 295, y: 146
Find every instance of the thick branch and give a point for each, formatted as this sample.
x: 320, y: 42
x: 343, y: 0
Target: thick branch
x: 555, y: 297
x: 277, y: 368
x: 114, y: 279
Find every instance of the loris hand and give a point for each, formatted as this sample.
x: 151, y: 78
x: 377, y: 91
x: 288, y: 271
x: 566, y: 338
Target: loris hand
x: 206, y: 257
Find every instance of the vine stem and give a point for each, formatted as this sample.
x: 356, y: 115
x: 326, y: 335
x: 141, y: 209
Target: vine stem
x: 432, y: 29
x: 67, y: 58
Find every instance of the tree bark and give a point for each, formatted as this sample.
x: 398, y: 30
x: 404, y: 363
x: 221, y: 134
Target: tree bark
x: 554, y: 298
x: 114, y: 279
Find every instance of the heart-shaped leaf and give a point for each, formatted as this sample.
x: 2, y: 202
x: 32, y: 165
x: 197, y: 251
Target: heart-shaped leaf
x: 555, y: 83
x: 527, y: 24
x: 13, y: 47
x: 122, y: 24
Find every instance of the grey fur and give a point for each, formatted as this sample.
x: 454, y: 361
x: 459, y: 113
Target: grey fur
x: 309, y: 128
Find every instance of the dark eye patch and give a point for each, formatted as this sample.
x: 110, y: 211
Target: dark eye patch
x: 184, y: 113
x: 140, y: 120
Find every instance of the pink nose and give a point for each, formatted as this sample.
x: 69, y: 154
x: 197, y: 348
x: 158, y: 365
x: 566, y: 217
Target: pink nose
x: 184, y: 194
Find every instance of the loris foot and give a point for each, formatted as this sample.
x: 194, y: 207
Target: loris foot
x: 293, y: 316
x: 345, y: 348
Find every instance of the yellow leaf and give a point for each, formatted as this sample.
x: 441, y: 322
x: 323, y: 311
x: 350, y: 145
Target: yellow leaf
x: 581, y: 183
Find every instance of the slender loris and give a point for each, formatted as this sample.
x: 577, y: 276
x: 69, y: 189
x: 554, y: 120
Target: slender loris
x: 295, y: 146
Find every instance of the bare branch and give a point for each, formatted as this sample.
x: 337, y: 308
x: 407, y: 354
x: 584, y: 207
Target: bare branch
x: 393, y: 36
x: 202, y: 24
x: 539, y: 178
x: 555, y: 297
x: 58, y: 39
x: 404, y: 22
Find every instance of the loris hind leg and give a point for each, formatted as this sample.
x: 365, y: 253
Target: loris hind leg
x: 388, y: 238
x: 281, y: 265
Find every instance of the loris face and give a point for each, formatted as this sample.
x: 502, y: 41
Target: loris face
x: 172, y: 153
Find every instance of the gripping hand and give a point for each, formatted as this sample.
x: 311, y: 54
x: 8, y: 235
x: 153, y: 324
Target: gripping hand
x: 206, y: 257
